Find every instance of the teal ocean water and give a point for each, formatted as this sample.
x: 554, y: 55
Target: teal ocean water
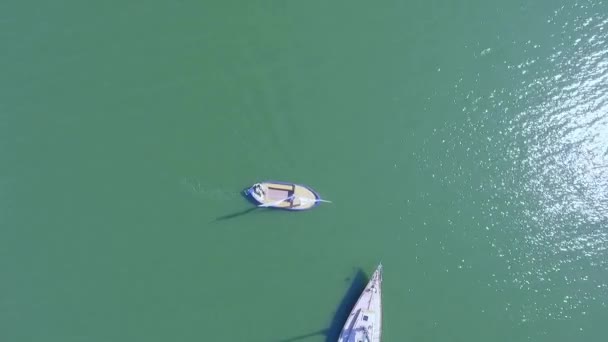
x: 463, y: 145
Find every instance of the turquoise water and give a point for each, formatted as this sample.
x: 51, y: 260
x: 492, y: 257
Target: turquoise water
x: 464, y: 146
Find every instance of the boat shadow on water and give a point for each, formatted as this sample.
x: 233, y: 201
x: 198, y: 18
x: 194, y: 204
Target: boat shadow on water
x: 235, y: 214
x: 241, y: 212
x: 357, y: 285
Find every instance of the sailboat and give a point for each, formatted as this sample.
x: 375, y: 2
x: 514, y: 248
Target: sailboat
x: 365, y: 320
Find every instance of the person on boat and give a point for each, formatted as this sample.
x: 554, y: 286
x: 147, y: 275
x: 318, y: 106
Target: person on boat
x: 258, y: 190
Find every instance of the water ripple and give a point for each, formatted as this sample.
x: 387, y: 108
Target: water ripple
x: 543, y: 145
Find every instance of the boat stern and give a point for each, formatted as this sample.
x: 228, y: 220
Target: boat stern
x: 255, y: 192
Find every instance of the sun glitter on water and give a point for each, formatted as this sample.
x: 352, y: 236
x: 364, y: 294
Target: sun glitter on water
x: 547, y: 189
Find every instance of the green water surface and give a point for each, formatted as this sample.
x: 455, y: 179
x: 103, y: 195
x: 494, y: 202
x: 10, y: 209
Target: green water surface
x: 463, y: 145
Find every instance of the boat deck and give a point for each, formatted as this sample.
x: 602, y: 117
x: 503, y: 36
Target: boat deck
x: 295, y: 196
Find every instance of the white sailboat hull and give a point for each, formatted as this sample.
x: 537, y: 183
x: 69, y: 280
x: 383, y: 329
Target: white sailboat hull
x: 364, y: 324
